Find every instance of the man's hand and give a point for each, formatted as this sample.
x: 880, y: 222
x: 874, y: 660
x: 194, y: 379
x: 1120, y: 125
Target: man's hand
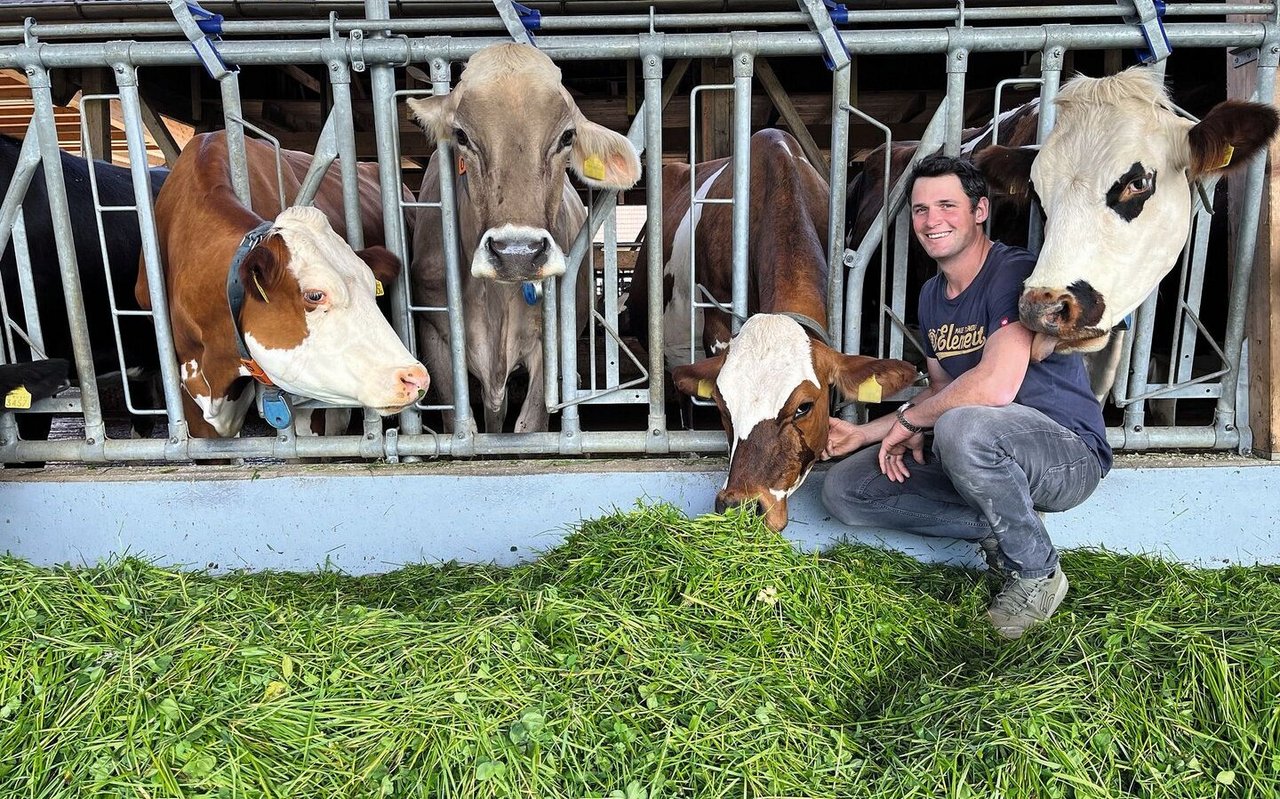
x: 893, y: 451
x: 842, y: 438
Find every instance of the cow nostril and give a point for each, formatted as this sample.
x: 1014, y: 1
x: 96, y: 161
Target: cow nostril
x: 722, y: 504
x: 494, y: 249
x: 413, y: 378
x: 761, y: 510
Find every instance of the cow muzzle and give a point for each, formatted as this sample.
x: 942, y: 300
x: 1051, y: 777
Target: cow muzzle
x: 1068, y: 314
x: 511, y: 254
x: 408, y: 385
x: 772, y: 512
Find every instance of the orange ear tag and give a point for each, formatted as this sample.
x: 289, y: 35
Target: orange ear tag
x: 593, y: 168
x: 870, y: 390
x: 18, y: 398
x: 462, y: 166
x: 705, y: 389
x: 378, y: 290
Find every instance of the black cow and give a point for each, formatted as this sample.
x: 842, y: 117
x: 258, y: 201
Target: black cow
x: 115, y: 187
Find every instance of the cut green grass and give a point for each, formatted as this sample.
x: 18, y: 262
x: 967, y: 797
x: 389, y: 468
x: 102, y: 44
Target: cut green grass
x: 650, y: 655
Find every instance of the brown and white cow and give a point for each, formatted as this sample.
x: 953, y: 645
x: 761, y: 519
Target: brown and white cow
x: 515, y: 131
x: 309, y: 318
x: 772, y: 382
x: 1113, y: 181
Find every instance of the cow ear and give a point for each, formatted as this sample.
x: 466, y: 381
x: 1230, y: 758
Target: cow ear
x: 431, y: 114
x: 602, y: 158
x: 698, y: 379
x: 382, y: 262
x: 1008, y: 170
x: 862, y: 377
x: 1230, y: 133
x: 261, y: 271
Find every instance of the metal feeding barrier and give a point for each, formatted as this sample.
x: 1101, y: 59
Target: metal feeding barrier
x: 384, y: 47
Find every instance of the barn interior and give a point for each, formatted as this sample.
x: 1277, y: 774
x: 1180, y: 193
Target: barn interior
x: 290, y: 102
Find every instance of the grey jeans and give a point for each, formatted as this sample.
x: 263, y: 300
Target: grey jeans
x: 989, y: 471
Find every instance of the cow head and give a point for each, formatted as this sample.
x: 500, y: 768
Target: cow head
x: 515, y: 129
x: 773, y: 389
x: 311, y: 322
x: 1113, y: 181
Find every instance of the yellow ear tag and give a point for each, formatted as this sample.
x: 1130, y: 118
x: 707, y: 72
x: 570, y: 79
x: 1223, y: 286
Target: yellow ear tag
x: 869, y: 390
x: 378, y: 291
x: 1226, y: 157
x: 705, y: 389
x: 18, y: 398
x: 261, y: 292
x: 593, y: 168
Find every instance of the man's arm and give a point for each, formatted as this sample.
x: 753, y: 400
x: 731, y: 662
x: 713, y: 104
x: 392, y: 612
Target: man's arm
x: 845, y: 437
x: 994, y: 382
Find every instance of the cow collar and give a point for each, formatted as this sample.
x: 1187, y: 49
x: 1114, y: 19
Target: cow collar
x: 235, y: 298
x: 274, y: 407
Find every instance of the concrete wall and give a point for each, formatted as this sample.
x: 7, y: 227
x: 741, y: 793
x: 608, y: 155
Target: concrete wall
x: 1206, y: 510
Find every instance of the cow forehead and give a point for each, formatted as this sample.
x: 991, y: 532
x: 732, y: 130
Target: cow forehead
x: 320, y: 258
x: 490, y: 110
x: 768, y: 359
x: 1096, y: 150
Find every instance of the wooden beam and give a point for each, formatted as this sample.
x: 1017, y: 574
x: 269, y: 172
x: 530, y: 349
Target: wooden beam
x: 773, y: 88
x: 715, y: 116
x: 97, y: 114
x: 1262, y: 322
x: 165, y: 139
x: 307, y: 80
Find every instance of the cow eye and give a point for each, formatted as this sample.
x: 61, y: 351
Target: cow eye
x: 460, y: 136
x: 1140, y: 185
x: 313, y: 296
x: 803, y: 410
x: 566, y: 138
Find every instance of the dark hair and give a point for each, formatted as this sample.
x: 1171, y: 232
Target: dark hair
x: 971, y: 178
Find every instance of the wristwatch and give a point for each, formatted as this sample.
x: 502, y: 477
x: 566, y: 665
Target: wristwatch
x: 902, y: 418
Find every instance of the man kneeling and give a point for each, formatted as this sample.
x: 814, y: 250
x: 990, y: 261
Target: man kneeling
x: 1011, y: 436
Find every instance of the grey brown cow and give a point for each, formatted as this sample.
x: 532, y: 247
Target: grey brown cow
x: 516, y: 131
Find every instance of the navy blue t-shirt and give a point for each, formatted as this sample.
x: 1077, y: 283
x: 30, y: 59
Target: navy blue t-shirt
x: 956, y: 330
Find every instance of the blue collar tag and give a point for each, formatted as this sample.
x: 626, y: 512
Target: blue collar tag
x: 532, y: 292
x: 275, y: 408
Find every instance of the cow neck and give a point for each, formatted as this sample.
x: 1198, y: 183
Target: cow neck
x: 810, y: 325
x: 235, y: 298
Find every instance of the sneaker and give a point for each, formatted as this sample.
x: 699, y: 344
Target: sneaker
x: 1025, y: 602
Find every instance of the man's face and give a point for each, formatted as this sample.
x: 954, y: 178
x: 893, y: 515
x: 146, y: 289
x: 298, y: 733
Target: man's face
x: 945, y: 222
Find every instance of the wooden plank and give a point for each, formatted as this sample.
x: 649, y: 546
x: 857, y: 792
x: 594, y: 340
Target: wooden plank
x: 1262, y: 322
x: 715, y: 115
x: 97, y: 114
x: 160, y: 131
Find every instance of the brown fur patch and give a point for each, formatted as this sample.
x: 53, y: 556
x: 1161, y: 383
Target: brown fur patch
x: 279, y: 320
x: 1246, y: 127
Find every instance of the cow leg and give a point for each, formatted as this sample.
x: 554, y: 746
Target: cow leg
x: 533, y: 413
x: 495, y: 405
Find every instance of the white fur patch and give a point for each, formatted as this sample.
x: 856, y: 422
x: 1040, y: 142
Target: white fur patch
x: 769, y: 358
x: 679, y: 330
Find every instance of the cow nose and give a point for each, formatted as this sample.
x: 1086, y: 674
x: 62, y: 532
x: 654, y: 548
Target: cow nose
x: 1045, y: 310
x: 414, y: 379
x: 521, y: 256
x: 724, y: 502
